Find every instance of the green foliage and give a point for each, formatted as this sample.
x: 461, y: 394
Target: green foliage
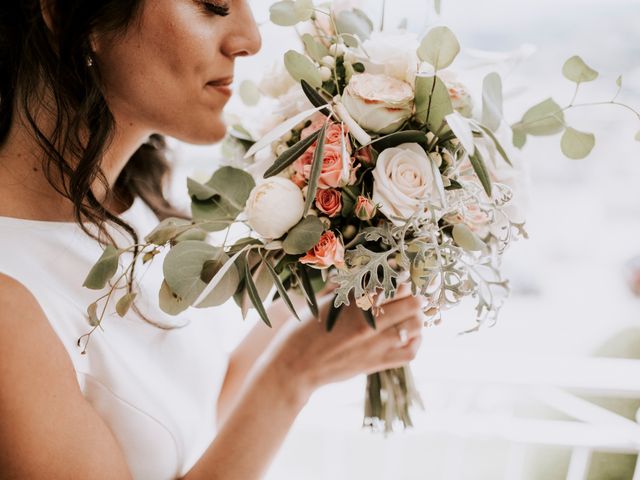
x: 287, y: 13
x: 314, y: 49
x: 577, y: 71
x: 167, y: 229
x: 479, y: 167
x: 545, y: 118
x: 575, y: 144
x: 124, y: 304
x: 492, y: 101
x: 497, y: 144
x: 104, y: 269
x: 432, y: 101
x: 303, y: 236
x: 466, y: 239
x: 254, y: 296
x: 249, y: 93
x: 439, y: 47
x: 170, y: 302
x: 300, y: 67
x: 291, y: 155
x: 316, y: 170
x: 398, y: 138
x: 354, y: 22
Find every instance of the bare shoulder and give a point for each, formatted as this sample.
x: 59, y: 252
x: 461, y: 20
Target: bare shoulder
x: 48, y: 430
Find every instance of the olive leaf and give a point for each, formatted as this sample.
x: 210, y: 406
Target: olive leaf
x: 466, y: 239
x: 497, y: 144
x: 492, y: 101
x: 280, y: 287
x: 104, y: 269
x: 575, y: 144
x: 254, y: 296
x: 303, y: 236
x: 302, y: 275
x: 249, y: 93
x: 480, y: 168
x: 439, y: 47
x: 398, y: 138
x: 332, y: 316
x: 462, y: 130
x: 316, y: 170
x: 291, y: 155
x: 300, y: 67
x: 367, y: 271
x: 577, y: 71
x: 315, y: 98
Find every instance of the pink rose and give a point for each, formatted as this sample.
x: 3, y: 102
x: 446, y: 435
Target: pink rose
x: 331, y: 168
x: 365, y: 209
x: 327, y: 252
x: 329, y: 201
x: 333, y: 134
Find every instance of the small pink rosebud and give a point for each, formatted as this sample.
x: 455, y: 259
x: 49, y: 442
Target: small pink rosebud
x: 365, y: 209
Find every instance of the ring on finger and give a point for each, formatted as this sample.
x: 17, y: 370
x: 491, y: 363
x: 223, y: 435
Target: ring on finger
x: 403, y: 335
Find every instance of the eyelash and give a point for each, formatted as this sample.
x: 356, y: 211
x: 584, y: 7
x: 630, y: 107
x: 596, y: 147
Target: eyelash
x: 222, y: 10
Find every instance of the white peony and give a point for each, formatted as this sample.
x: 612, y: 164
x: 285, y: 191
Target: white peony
x: 392, y: 54
x: 293, y: 102
x: 402, y: 180
x: 276, y: 81
x: 379, y: 103
x: 274, y: 206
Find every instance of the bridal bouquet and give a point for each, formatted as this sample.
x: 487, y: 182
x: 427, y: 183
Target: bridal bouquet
x: 378, y: 169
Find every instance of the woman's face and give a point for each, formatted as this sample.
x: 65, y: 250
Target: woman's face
x: 164, y: 74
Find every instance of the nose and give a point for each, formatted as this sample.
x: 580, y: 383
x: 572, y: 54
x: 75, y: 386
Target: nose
x: 245, y: 39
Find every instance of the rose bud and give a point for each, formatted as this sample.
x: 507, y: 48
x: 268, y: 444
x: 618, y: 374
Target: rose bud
x: 365, y: 209
x: 329, y: 201
x: 274, y: 206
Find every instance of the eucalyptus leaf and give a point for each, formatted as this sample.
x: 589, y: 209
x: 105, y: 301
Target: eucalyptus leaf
x: 104, y: 269
x: 304, y: 236
x: 619, y: 81
x: 437, y: 6
x: 492, y: 101
x: 304, y: 9
x: 575, y: 144
x: 519, y: 137
x: 433, y: 103
x: 124, y: 304
x: 300, y: 67
x: 545, y: 118
x: 439, y: 47
x: 316, y: 170
x: 92, y: 314
x: 315, y: 49
x: 291, y: 155
x: 497, y: 144
x: 249, y: 93
x: 466, y: 239
x: 279, y: 131
x: 577, y: 71
x: 169, y: 302
x: 637, y: 137
x: 167, y: 229
x: 200, y: 191
x: 461, y: 128
x: 479, y: 167
x: 285, y: 13
x: 233, y: 184
x: 354, y: 22
x: 254, y: 296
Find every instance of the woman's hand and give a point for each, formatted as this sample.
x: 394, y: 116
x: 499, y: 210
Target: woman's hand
x: 314, y: 357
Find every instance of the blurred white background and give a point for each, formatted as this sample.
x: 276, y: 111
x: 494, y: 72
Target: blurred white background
x: 570, y: 295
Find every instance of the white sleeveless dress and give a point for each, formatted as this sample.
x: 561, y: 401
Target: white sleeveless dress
x: 156, y: 389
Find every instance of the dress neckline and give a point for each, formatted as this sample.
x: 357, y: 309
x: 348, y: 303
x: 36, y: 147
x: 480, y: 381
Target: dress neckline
x: 50, y: 224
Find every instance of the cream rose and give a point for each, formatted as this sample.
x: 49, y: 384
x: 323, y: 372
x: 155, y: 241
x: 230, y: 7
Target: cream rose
x: 274, y: 206
x: 394, y: 55
x: 402, y: 180
x: 378, y: 103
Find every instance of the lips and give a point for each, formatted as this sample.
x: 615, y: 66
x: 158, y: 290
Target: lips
x: 221, y: 85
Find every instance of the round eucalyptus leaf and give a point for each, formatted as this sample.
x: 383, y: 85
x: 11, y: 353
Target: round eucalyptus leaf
x: 576, y: 144
x: 124, y: 304
x: 300, y: 67
x: 519, y: 138
x: 545, y: 118
x: 233, y: 184
x: 183, y: 271
x: 637, y: 137
x: 225, y: 289
x: 249, y: 93
x: 433, y: 102
x: 284, y: 13
x: 304, y: 9
x: 315, y: 49
x: 439, y: 47
x: 466, y: 239
x: 303, y: 236
x: 167, y: 229
x: 354, y: 22
x: 577, y: 71
x: 169, y: 302
x: 104, y: 269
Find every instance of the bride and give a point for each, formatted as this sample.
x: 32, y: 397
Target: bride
x: 86, y: 88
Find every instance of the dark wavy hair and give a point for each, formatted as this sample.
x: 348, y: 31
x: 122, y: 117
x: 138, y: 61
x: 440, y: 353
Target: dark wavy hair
x: 53, y: 58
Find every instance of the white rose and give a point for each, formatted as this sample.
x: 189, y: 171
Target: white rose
x: 274, y: 206
x: 379, y: 103
x: 402, y: 180
x: 394, y: 55
x: 276, y: 81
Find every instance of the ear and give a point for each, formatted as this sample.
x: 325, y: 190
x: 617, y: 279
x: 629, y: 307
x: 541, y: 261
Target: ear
x: 46, y: 10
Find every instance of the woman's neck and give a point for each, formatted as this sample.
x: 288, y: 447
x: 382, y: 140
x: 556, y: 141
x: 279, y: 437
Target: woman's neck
x: 25, y: 191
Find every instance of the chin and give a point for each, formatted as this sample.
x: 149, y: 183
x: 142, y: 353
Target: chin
x: 198, y: 135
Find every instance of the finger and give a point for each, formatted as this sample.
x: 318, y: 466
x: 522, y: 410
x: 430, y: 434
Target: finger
x: 398, y: 311
x: 396, y: 357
